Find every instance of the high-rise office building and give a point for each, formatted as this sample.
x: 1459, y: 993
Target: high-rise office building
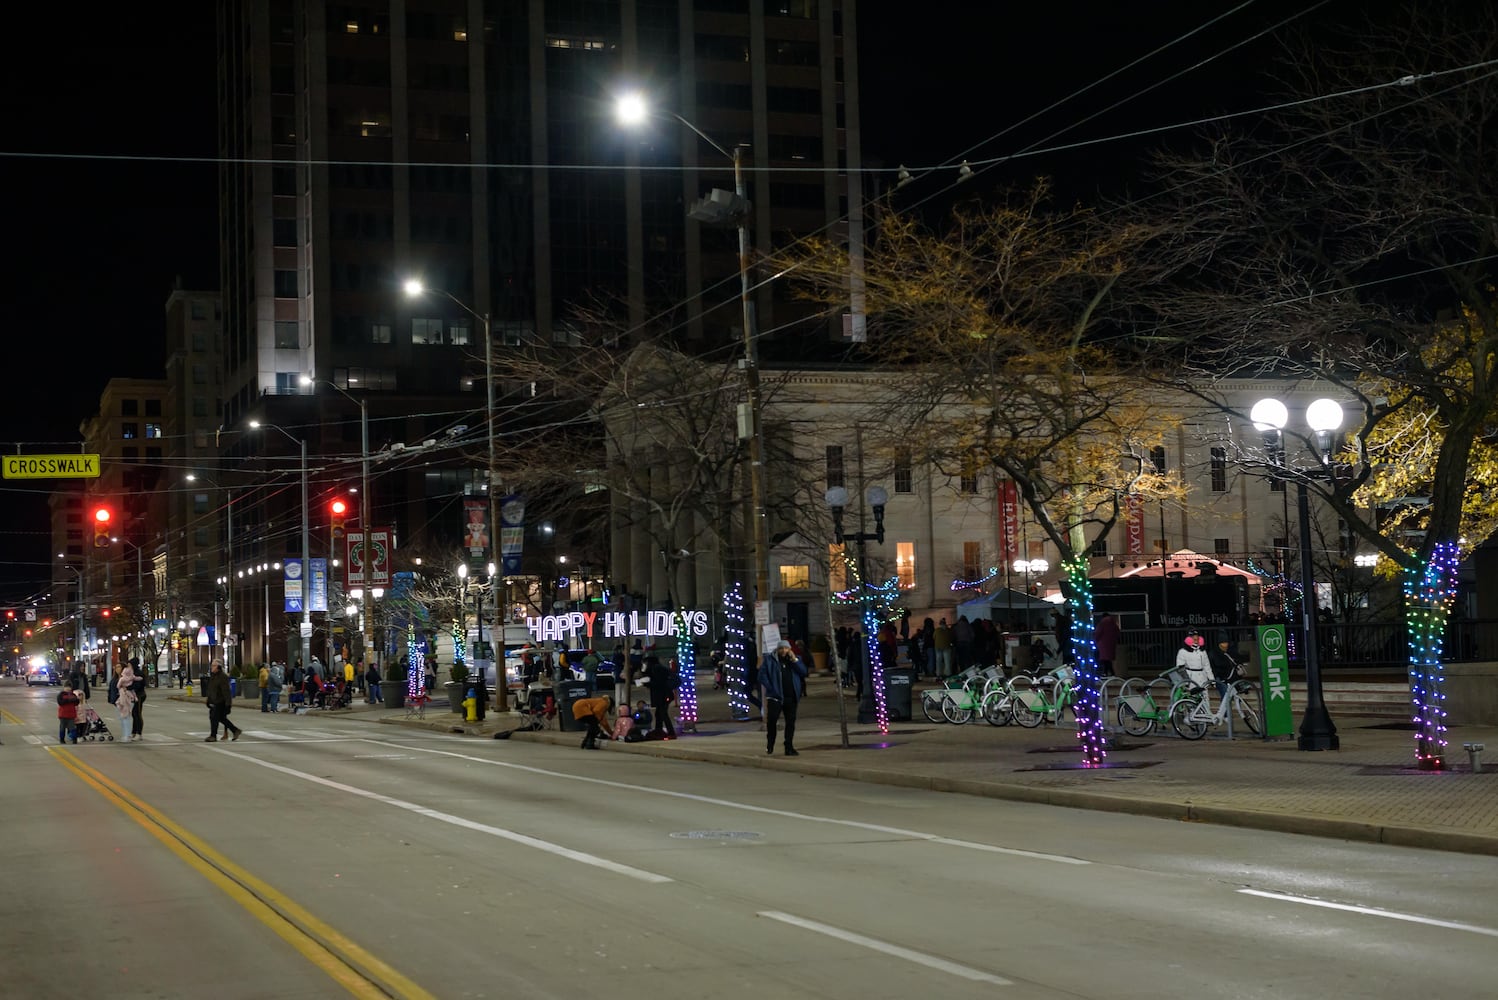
x: 473, y: 144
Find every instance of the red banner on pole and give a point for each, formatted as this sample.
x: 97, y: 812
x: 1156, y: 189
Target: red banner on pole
x: 1134, y: 523
x: 1008, y: 521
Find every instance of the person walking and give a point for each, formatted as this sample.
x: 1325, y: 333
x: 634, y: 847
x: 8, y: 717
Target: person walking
x: 276, y: 681
x: 659, y: 680
x: 784, y: 678
x: 220, y: 699
x: 122, y: 697
x: 372, y: 685
x: 594, y: 714
x: 138, y: 707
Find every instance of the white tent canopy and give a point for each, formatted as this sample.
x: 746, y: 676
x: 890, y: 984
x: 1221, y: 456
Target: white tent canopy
x: 1185, y: 562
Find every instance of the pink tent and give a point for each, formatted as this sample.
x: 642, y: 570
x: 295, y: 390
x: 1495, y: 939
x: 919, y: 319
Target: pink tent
x: 1188, y: 563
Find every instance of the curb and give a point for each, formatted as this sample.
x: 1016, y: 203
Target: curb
x: 1183, y: 811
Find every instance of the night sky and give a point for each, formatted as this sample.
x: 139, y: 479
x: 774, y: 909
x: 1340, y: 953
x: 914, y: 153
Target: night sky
x: 97, y: 243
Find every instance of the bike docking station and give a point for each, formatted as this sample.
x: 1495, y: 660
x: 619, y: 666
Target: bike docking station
x: 1109, y: 691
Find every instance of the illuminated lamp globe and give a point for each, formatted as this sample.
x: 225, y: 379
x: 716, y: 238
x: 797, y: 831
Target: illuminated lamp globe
x: 1269, y: 415
x: 1324, y: 415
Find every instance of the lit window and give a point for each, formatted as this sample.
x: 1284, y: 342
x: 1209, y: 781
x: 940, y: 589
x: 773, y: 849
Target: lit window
x: 129, y: 431
x: 905, y: 564
x: 457, y: 335
x: 837, y: 568
x: 153, y: 430
x: 795, y: 577
x: 426, y: 331
x: 351, y: 27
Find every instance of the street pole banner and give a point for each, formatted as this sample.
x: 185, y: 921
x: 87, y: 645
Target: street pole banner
x: 381, y: 543
x: 317, y: 582
x: 1008, y: 520
x: 511, y: 533
x: 293, y: 585
x: 355, y: 571
x: 476, y: 529
x: 1274, y: 675
x: 1134, y: 523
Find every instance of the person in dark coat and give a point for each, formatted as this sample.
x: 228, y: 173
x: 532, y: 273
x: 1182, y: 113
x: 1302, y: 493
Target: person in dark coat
x: 784, y: 678
x: 662, y: 684
x: 1106, y: 639
x: 220, y: 698
x: 1225, y: 666
x: 137, y: 710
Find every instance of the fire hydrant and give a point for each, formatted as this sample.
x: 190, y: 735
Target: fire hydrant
x: 470, y: 708
x: 189, y: 689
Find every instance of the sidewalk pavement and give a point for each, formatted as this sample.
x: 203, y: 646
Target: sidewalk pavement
x: 1367, y: 790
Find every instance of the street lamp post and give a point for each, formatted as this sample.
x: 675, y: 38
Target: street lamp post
x: 364, y: 523
x: 79, y: 632
x: 415, y: 289
x: 306, y: 629
x: 837, y: 499
x: 1323, y: 416
x: 631, y: 110
x: 224, y: 580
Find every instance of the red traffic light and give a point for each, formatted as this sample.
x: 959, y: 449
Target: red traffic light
x: 339, y: 507
x: 102, y: 515
x: 338, y: 510
x: 101, y: 527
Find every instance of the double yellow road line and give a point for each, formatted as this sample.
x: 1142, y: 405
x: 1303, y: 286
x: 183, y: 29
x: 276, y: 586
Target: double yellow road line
x: 347, y: 964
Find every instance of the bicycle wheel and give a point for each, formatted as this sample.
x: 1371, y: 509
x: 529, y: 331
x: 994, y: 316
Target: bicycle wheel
x: 956, y: 714
x: 1182, y: 719
x: 998, y: 708
x: 1028, y: 706
x: 1130, y: 722
x: 1250, y: 716
x: 931, y: 704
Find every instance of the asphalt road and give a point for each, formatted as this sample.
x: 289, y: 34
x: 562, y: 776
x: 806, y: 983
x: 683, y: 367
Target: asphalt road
x: 318, y: 857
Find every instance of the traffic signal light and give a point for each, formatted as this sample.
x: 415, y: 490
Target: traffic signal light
x: 338, y: 512
x: 101, y: 527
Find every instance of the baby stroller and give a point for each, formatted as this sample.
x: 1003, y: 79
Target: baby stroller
x: 336, y: 695
x: 94, y: 727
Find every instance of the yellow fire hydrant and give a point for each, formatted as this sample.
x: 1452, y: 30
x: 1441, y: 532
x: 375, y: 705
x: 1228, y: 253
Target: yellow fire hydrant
x: 189, y: 690
x: 470, y: 709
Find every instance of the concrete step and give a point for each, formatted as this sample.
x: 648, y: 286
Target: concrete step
x: 1368, y: 700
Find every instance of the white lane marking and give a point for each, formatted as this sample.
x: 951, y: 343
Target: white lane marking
x: 763, y: 810
x: 1373, y: 912
x: 893, y: 950
x: 467, y: 824
x: 262, y: 734
x: 33, y: 739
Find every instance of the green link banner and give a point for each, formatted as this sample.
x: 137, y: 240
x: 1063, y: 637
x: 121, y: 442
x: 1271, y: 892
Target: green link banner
x: 1274, y: 675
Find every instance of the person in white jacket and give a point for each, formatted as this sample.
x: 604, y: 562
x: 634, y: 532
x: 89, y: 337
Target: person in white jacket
x: 1192, y: 658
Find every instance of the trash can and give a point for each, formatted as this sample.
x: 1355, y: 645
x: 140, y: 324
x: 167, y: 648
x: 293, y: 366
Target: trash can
x: 898, y: 683
x: 567, y: 693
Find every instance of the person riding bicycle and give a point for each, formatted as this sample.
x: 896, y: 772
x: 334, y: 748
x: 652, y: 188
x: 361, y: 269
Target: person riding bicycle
x: 1193, y: 660
x: 1225, y: 666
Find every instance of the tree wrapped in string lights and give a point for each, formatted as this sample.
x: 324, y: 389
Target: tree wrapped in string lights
x: 686, y: 674
x: 735, y: 652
